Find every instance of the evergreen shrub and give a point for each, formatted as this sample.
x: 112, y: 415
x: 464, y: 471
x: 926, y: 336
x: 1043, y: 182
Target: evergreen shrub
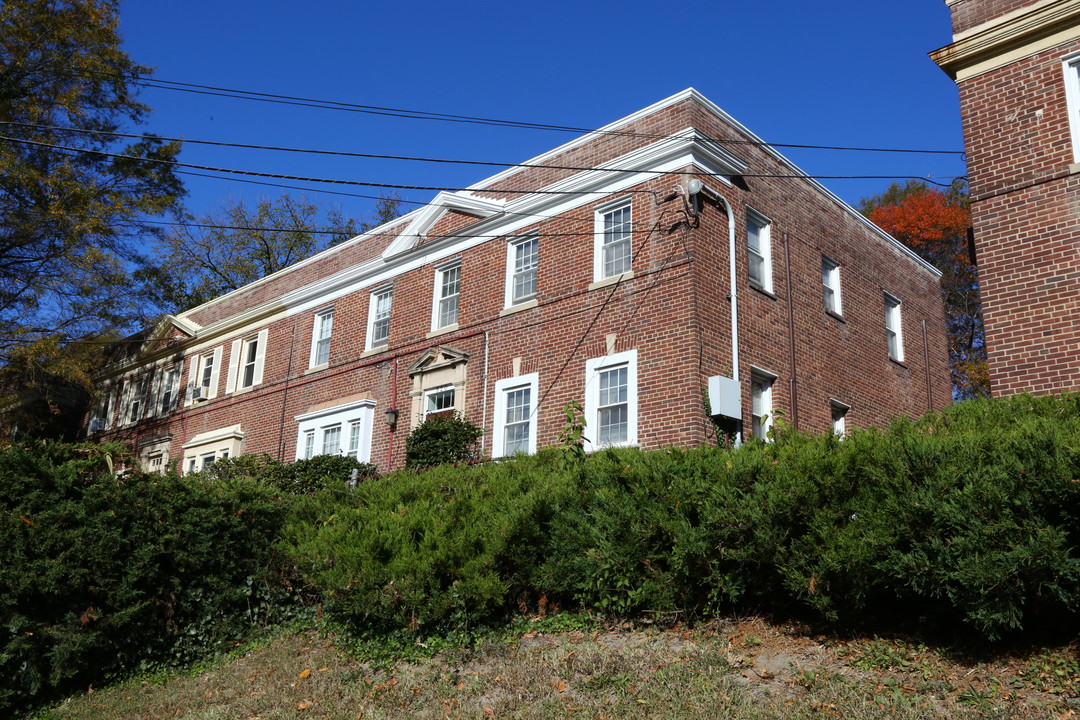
x: 101, y: 574
x: 440, y: 439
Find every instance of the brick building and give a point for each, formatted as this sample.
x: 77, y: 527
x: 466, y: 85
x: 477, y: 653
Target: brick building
x: 1017, y: 65
x: 599, y: 272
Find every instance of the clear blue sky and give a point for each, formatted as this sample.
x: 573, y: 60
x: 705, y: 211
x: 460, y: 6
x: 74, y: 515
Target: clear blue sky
x: 839, y: 73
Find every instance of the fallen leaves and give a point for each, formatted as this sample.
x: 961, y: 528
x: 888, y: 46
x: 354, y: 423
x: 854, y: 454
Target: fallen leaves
x: 306, y: 672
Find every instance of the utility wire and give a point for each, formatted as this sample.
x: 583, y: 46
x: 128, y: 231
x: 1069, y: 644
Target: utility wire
x: 435, y: 188
x: 470, y: 119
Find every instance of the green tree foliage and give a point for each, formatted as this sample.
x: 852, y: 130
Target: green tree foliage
x: 69, y: 210
x: 935, y: 224
x: 440, y: 439
x: 221, y: 251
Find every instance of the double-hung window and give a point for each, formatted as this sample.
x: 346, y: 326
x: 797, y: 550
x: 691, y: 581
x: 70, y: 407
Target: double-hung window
x: 320, y: 337
x: 137, y: 389
x: 522, y: 259
x: 759, y: 251
x: 447, y: 294
x: 331, y: 440
x: 515, y: 422
x: 614, y: 240
x: 246, y: 362
x: 439, y: 400
x: 379, y: 318
x: 894, y: 328
x: 611, y: 400
x: 761, y: 408
x: 206, y: 374
x: 170, y: 381
x: 830, y: 280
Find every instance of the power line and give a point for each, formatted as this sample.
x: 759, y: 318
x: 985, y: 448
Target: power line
x: 470, y: 119
x: 435, y: 188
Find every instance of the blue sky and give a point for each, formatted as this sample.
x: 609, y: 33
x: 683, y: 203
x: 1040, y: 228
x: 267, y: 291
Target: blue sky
x: 841, y: 73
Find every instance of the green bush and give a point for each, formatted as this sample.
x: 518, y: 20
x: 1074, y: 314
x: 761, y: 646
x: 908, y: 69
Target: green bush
x: 965, y: 519
x: 441, y: 439
x: 298, y: 478
x: 452, y: 545
x: 100, y: 574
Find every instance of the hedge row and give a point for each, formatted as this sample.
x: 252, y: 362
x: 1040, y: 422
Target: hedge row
x: 967, y: 517
x: 101, y: 574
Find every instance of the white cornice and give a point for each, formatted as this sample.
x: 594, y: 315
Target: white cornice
x: 1011, y: 37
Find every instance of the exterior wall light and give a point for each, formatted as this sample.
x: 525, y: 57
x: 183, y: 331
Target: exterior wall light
x: 391, y: 417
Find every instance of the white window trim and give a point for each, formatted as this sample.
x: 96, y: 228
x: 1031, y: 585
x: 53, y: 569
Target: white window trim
x: 323, y: 318
x: 593, y: 368
x: 764, y: 249
x: 136, y: 385
x: 435, y: 391
x: 831, y: 280
x: 502, y: 388
x: 236, y: 362
x: 767, y: 380
x: 340, y: 416
x: 511, y: 265
x: 894, y: 323
x: 157, y: 448
x: 598, y: 242
x: 373, y: 307
x: 222, y: 443
x: 437, y: 296
x: 1070, y: 66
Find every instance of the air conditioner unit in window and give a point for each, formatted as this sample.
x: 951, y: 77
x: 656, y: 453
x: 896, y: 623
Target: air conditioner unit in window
x: 201, y: 393
x: 97, y: 425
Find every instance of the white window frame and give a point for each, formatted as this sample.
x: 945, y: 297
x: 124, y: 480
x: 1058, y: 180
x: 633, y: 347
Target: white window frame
x: 377, y: 317
x: 894, y: 327
x: 153, y: 450
x: 240, y: 360
x: 322, y: 331
x: 763, y: 251
x: 519, y: 267
x: 441, y: 390
x: 439, y: 298
x: 761, y: 403
x: 838, y: 417
x: 330, y: 434
x: 601, y: 244
x: 830, y: 281
x: 593, y: 370
x: 503, y: 389
x: 1070, y: 66
x: 312, y: 428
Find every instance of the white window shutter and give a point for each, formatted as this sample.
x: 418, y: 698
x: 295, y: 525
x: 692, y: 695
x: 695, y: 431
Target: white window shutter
x: 215, y: 372
x: 158, y: 380
x: 234, y: 363
x: 260, y: 356
x: 193, y: 368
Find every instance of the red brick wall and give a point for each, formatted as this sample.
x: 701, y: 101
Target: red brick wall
x: 1020, y: 160
x: 966, y: 14
x: 675, y: 312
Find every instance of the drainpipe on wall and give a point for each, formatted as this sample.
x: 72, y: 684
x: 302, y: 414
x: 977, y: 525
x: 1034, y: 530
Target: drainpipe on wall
x: 285, y: 395
x: 926, y: 367
x: 793, y: 381
x: 483, y: 417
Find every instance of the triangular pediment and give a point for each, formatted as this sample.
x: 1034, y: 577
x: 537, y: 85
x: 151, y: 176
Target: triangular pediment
x: 437, y: 358
x: 167, y: 332
x: 430, y: 216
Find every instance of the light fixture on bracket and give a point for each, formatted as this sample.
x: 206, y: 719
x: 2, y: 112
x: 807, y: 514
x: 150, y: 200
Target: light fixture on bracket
x: 391, y: 417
